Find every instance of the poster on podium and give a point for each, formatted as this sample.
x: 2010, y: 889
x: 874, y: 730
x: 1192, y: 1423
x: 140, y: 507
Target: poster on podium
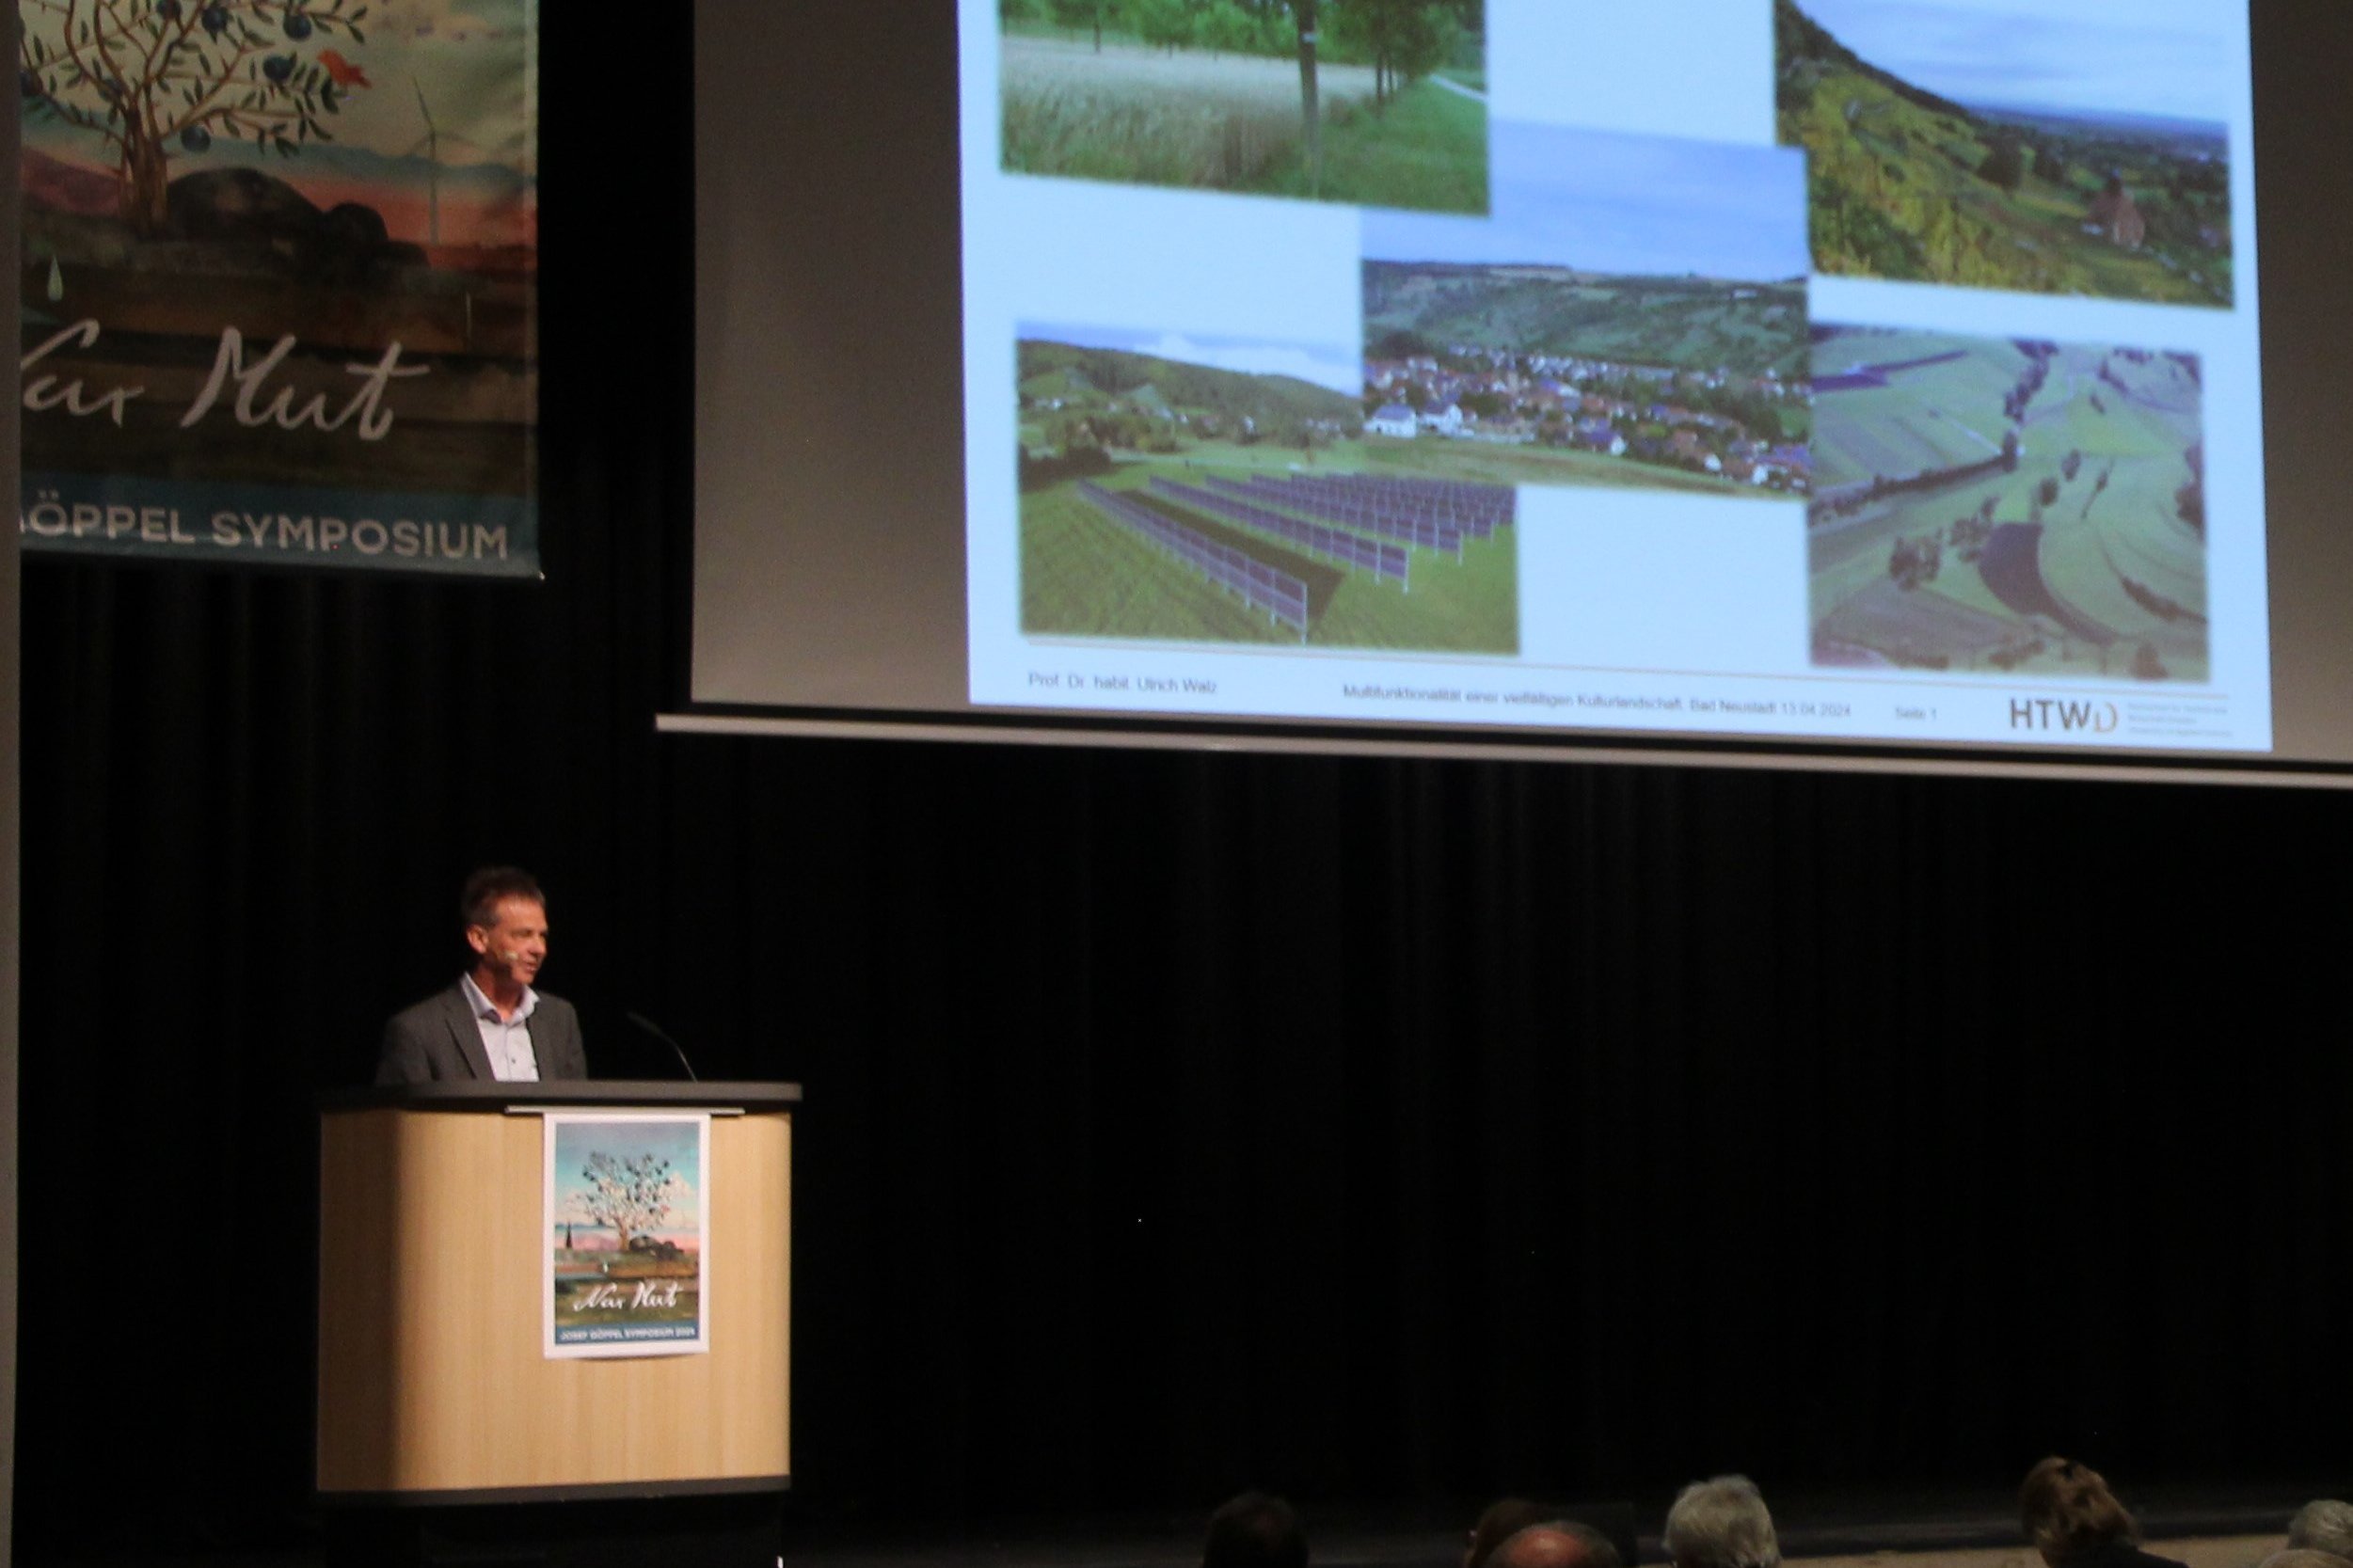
x: 628, y: 1232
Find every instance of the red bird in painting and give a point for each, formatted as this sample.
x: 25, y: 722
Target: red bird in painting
x: 346, y: 74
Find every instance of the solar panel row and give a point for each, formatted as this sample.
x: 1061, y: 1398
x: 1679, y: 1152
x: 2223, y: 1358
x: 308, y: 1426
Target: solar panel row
x: 1383, y: 561
x: 1369, y: 517
x: 1478, y: 513
x: 1281, y: 595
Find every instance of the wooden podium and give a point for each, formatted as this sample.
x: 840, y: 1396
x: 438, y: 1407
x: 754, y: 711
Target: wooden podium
x: 435, y: 1388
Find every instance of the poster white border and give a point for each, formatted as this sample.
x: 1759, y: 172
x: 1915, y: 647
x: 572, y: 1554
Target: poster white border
x: 701, y: 1343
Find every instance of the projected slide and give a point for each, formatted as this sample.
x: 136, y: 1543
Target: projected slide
x: 1855, y: 369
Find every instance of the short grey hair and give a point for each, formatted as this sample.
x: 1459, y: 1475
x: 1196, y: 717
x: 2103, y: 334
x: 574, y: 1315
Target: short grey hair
x: 2304, y: 1557
x: 1722, y: 1523
x: 2323, y: 1525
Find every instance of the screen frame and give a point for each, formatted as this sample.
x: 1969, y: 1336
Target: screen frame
x: 2300, y: 115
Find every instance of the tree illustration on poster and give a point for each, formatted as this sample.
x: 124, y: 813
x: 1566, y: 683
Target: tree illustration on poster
x: 159, y: 81
x: 630, y: 1195
x: 333, y: 205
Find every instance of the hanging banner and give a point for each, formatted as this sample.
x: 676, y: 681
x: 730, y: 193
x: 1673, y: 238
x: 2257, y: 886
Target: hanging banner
x: 627, y: 1232
x: 280, y: 275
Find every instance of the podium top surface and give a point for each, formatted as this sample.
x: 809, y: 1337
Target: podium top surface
x: 588, y: 1092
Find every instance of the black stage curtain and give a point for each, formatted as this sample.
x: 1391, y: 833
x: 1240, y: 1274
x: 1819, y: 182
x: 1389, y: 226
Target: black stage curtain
x: 1366, y: 1129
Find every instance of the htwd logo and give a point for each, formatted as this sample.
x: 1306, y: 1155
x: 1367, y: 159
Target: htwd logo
x: 2052, y: 713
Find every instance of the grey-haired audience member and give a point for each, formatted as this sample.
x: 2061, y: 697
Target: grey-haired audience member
x: 2303, y: 1557
x: 2323, y: 1525
x: 1255, y: 1530
x: 1722, y: 1523
x: 1555, y: 1544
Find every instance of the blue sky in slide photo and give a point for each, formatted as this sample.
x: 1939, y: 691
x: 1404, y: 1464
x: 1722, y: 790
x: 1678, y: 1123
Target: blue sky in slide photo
x: 2163, y: 59
x: 1339, y: 368
x: 1610, y: 203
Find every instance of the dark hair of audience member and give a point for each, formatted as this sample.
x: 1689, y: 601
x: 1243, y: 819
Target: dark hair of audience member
x: 2069, y: 1513
x: 1504, y: 1518
x: 1255, y: 1530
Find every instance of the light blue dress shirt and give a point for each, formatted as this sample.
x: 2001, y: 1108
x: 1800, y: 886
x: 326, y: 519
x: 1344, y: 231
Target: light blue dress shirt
x: 507, y: 1040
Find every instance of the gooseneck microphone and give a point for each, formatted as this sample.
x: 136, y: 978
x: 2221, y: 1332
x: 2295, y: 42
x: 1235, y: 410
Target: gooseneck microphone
x: 656, y: 1030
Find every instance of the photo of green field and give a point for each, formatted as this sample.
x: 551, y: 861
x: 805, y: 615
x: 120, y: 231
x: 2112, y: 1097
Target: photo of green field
x: 2001, y: 151
x: 1375, y: 103
x: 1991, y: 505
x: 1146, y: 480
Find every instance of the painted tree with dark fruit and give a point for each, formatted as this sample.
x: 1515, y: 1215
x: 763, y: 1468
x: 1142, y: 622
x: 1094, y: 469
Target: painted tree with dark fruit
x: 158, y: 80
x: 630, y: 1195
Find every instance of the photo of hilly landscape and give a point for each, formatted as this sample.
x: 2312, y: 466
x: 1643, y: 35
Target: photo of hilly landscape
x: 1684, y: 323
x: 1952, y: 145
x: 1201, y: 489
x: 1996, y: 505
x: 1634, y: 313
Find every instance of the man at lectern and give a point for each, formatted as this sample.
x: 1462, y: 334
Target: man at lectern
x: 491, y: 1024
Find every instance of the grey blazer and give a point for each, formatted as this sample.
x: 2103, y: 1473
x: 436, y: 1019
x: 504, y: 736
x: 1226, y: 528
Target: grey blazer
x: 438, y: 1040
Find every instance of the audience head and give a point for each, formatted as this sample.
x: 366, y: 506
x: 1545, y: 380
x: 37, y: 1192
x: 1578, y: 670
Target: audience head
x: 2068, y: 1511
x: 1504, y: 1518
x: 1255, y: 1530
x: 1555, y: 1544
x: 1722, y: 1523
x: 2323, y: 1525
x: 2304, y: 1557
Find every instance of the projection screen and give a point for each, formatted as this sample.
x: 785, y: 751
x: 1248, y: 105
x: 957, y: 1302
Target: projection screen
x: 1831, y: 378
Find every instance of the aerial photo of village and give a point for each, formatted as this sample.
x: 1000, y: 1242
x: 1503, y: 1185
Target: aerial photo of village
x: 1221, y: 95
x: 1634, y: 313
x: 1208, y: 489
x: 1991, y: 505
x: 2065, y: 153
x: 1658, y: 381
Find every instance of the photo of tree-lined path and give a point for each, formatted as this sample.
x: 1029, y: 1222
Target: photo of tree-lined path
x: 2000, y: 151
x: 1377, y: 103
x: 1995, y: 505
x: 1167, y: 497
